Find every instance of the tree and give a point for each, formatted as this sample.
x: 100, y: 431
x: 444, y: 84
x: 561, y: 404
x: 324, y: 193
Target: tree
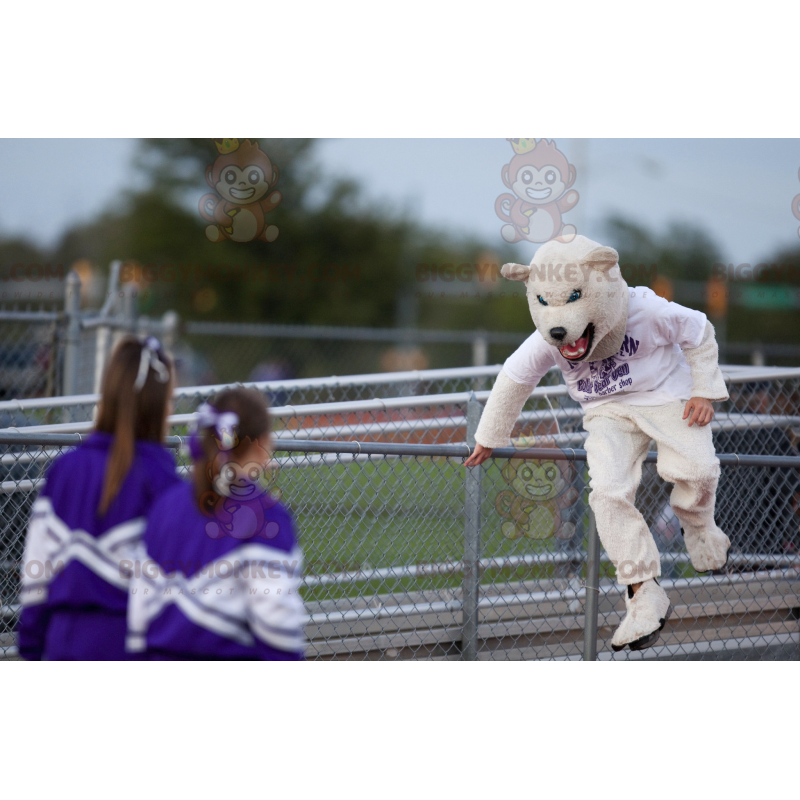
x: 682, y: 252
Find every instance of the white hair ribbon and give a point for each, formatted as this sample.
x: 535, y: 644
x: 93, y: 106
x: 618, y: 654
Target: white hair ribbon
x: 224, y: 424
x: 150, y: 359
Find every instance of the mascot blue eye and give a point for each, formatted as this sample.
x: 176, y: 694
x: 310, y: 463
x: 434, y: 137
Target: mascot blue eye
x: 541, y: 299
x: 574, y: 296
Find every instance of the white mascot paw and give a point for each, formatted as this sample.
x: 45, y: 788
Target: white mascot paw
x: 648, y: 611
x: 708, y: 547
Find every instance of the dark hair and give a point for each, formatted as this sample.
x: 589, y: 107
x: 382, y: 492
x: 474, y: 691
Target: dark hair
x: 128, y: 414
x: 253, y: 411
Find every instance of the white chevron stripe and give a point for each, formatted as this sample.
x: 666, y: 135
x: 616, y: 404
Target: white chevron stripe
x: 50, y: 542
x: 265, y: 601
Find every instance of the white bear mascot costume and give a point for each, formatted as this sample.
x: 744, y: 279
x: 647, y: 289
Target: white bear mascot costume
x: 632, y: 359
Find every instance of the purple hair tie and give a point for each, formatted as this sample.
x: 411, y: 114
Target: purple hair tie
x: 224, y: 424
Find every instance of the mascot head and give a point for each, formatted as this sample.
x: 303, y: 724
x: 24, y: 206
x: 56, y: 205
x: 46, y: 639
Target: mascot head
x: 577, y: 296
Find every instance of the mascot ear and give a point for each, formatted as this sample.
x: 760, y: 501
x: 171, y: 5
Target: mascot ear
x: 602, y: 258
x: 515, y: 272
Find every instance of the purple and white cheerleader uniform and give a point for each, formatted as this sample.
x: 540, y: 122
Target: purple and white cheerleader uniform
x: 207, y: 592
x: 74, y: 592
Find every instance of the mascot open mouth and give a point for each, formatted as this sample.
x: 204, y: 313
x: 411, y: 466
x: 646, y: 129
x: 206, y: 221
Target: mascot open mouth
x: 538, y: 194
x: 580, y: 348
x: 241, y: 491
x: 539, y: 491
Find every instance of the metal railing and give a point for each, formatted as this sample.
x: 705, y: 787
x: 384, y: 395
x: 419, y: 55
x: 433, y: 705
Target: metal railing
x: 59, y: 348
x: 63, y: 350
x: 409, y: 555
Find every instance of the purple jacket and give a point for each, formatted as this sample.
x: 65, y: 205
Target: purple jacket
x: 199, y: 593
x: 72, y: 556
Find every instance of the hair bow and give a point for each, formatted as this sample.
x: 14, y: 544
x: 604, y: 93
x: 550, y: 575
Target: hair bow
x: 148, y: 360
x: 224, y: 424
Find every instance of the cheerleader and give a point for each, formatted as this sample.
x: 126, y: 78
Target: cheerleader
x: 219, y: 568
x: 91, y: 513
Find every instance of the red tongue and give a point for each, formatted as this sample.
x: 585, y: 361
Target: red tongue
x: 582, y: 342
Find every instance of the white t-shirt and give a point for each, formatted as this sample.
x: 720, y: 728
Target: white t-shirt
x: 648, y: 370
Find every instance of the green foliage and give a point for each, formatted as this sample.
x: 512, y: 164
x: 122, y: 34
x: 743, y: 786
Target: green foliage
x: 338, y: 259
x: 682, y: 252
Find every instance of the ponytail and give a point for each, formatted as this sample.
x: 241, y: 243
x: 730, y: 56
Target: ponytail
x: 232, y: 416
x: 137, y: 385
x: 121, y: 456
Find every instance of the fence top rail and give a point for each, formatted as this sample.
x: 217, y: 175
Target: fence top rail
x: 30, y: 316
x: 333, y: 381
x: 724, y: 421
x: 735, y: 373
x: 320, y: 409
x: 731, y: 374
x: 430, y: 450
x: 339, y: 381
x: 120, y: 323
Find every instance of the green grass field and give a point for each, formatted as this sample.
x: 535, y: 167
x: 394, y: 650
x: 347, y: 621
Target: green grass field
x: 391, y: 512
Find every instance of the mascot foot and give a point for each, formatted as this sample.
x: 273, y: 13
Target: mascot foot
x: 648, y: 611
x: 213, y: 233
x: 708, y: 548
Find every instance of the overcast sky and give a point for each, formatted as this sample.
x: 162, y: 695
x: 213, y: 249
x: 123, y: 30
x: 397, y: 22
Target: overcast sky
x: 739, y: 190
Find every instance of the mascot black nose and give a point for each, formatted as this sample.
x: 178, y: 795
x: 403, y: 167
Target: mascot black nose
x: 558, y: 333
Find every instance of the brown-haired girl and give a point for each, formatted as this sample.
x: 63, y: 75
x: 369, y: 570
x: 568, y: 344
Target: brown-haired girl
x: 223, y: 568
x: 91, y: 513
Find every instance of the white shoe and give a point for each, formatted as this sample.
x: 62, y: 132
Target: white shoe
x: 708, y: 548
x: 648, y: 611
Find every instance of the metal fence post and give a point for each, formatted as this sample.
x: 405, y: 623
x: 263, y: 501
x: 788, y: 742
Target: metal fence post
x: 169, y: 336
x: 102, y: 338
x: 592, y: 591
x: 72, y: 340
x: 130, y: 305
x: 480, y: 351
x: 480, y: 356
x: 470, y: 585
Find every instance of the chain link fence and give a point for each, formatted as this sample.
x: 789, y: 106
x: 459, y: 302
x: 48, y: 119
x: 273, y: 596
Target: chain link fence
x: 59, y: 348
x: 54, y: 347
x: 410, y: 555
x: 29, y: 352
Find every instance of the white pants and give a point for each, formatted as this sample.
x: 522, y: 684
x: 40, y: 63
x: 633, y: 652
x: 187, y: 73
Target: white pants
x: 618, y: 441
